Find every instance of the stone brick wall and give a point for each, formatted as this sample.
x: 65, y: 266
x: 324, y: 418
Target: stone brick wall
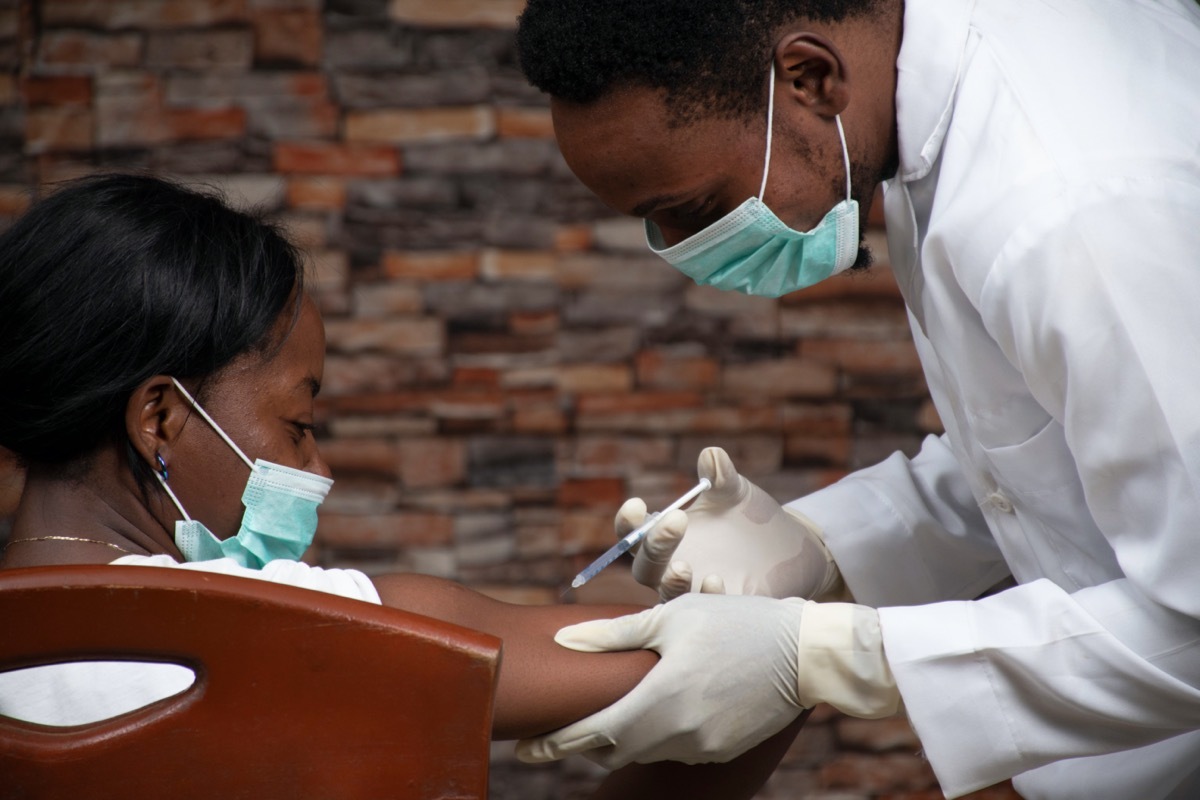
x: 506, y: 362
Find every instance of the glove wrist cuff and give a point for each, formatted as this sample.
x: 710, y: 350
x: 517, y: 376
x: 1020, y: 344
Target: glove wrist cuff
x: 841, y: 661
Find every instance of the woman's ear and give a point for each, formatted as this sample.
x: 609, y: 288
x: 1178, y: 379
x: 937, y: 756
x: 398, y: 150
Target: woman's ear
x: 816, y: 71
x: 154, y: 418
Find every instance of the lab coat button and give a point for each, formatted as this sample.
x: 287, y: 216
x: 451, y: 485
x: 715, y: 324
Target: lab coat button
x: 998, y: 501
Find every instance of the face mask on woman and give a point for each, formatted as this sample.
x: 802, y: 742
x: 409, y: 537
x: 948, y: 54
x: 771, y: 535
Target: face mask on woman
x: 281, y: 511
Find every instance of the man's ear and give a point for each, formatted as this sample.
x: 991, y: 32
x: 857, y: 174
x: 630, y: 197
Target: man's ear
x: 154, y: 418
x: 816, y: 71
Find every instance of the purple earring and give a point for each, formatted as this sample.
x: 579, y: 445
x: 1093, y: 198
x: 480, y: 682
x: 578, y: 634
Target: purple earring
x: 162, y: 466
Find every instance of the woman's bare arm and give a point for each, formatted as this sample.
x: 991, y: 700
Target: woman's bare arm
x: 543, y: 686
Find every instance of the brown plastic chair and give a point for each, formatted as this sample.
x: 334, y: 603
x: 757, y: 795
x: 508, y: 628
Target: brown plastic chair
x: 298, y: 694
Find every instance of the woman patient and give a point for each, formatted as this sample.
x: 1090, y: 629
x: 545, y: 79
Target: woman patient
x: 159, y: 366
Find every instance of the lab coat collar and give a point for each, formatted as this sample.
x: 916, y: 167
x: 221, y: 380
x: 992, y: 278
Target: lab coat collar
x: 930, y: 63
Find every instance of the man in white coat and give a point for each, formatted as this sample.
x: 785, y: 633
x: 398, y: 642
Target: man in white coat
x: 1040, y: 161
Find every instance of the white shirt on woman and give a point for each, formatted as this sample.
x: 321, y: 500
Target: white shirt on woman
x: 81, y: 692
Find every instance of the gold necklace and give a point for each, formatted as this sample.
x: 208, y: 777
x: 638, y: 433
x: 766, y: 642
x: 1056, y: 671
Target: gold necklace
x: 71, y: 539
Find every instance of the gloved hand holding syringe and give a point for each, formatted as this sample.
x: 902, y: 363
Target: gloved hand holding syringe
x: 637, y: 534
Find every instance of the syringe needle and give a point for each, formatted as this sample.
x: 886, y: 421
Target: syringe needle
x: 633, y: 537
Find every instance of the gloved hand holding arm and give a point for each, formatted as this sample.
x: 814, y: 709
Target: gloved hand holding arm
x: 733, y: 671
x: 739, y: 540
x: 542, y: 685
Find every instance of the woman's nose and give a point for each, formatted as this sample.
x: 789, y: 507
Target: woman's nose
x: 316, y: 464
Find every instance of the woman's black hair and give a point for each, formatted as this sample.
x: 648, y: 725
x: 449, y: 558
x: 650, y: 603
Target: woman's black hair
x: 114, y: 279
x: 709, y: 56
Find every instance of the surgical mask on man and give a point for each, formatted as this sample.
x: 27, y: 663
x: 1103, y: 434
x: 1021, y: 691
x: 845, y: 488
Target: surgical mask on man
x: 280, y: 520
x: 750, y: 250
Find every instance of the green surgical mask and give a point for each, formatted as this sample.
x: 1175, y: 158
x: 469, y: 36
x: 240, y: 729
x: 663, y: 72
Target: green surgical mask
x: 280, y: 520
x: 750, y: 250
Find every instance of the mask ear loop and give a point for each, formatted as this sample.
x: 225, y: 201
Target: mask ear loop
x: 161, y: 474
x: 845, y: 152
x: 770, y: 125
x: 770, y: 131
x: 213, y: 423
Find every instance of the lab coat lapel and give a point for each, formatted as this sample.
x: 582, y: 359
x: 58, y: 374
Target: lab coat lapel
x: 902, y: 246
x: 936, y: 34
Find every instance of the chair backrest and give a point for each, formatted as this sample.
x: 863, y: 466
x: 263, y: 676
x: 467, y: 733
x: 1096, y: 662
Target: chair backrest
x: 298, y: 694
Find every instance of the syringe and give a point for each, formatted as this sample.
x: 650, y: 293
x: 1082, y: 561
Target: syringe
x: 636, y: 535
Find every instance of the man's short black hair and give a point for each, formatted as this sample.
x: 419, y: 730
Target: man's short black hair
x: 709, y: 56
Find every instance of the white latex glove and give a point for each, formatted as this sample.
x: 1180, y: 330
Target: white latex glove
x: 652, y: 558
x: 734, y: 670
x: 738, y: 540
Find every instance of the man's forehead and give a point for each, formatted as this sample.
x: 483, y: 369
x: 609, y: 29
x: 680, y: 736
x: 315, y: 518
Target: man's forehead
x: 636, y: 124
x: 625, y: 149
x: 629, y: 108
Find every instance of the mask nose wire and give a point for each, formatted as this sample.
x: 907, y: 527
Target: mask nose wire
x: 213, y: 423
x: 770, y: 125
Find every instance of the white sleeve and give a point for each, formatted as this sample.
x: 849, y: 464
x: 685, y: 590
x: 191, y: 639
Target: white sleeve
x: 907, y: 531
x: 1033, y: 675
x: 345, y: 582
x: 78, y: 693
x: 1097, y: 306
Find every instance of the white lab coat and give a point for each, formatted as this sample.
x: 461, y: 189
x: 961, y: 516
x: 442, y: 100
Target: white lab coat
x: 1044, y: 228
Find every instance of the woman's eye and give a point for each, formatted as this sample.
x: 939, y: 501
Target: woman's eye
x: 303, y: 428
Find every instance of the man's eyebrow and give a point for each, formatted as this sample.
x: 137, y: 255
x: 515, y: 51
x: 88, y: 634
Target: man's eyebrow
x: 659, y: 201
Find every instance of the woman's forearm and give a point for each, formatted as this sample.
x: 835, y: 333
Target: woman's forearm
x: 542, y: 686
